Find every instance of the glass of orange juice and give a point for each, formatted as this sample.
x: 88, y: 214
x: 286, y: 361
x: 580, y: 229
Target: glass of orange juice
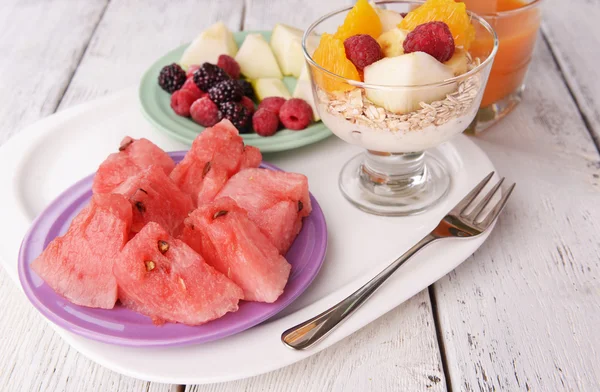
x: 516, y: 23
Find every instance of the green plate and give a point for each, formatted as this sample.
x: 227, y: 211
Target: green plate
x: 156, y: 106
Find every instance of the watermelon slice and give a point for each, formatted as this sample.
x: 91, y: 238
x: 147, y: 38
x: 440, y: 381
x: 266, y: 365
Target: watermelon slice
x: 230, y: 242
x: 155, y: 198
x: 276, y: 202
x: 79, y: 264
x: 216, y: 155
x: 133, y: 156
x: 165, y: 279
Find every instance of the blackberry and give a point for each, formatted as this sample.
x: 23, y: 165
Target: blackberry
x: 247, y: 88
x: 209, y: 75
x: 171, y: 78
x: 238, y: 115
x: 226, y: 91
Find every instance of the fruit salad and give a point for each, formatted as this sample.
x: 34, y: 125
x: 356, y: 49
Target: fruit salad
x: 222, y: 81
x: 399, y: 82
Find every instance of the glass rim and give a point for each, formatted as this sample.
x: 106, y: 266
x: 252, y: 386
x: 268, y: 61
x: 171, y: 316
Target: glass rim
x: 507, y: 13
x: 360, y: 84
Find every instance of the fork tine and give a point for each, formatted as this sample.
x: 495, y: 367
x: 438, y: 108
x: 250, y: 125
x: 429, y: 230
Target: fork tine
x: 484, y: 202
x: 497, y: 209
x: 464, y: 203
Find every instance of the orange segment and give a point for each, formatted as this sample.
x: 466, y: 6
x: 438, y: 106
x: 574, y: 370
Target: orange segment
x: 362, y: 19
x: 331, y: 55
x: 447, y: 11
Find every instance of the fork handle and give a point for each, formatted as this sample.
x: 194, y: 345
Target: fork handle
x: 311, y: 331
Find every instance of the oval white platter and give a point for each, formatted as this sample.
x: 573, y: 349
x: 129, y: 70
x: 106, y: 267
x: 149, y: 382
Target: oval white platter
x: 52, y: 154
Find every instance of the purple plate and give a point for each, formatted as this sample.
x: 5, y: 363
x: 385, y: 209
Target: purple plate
x: 123, y: 327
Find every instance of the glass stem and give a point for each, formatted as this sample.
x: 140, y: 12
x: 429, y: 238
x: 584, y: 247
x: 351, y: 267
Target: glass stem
x: 393, y: 173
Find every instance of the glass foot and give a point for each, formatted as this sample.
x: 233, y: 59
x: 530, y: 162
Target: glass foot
x: 490, y: 115
x: 394, y: 184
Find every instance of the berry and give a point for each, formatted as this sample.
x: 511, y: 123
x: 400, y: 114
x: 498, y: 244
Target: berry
x: 205, y: 112
x: 226, y: 91
x: 209, y: 75
x: 229, y: 65
x: 273, y: 104
x: 362, y: 50
x: 181, y: 101
x: 238, y: 115
x: 248, y: 104
x: 190, y: 71
x: 295, y: 114
x: 246, y: 88
x: 433, y: 38
x: 265, y: 122
x: 171, y: 78
x: 191, y: 86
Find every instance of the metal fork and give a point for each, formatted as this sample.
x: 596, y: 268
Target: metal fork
x: 457, y: 223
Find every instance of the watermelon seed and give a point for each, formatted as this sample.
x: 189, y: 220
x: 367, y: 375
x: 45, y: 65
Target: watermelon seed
x: 140, y: 206
x: 142, y: 190
x: 125, y: 143
x: 182, y: 283
x: 220, y: 213
x: 163, y: 246
x: 149, y: 265
x: 206, y: 169
x: 300, y: 206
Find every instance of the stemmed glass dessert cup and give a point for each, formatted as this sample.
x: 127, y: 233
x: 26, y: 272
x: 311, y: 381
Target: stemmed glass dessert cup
x: 395, y: 175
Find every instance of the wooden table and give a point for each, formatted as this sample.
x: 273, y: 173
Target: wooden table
x: 521, y: 314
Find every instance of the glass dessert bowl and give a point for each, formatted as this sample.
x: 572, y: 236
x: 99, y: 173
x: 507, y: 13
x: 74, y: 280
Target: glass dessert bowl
x: 397, y: 107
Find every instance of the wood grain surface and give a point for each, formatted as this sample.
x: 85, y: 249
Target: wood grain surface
x: 518, y: 315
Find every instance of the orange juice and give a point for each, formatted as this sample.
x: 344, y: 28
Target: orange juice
x: 516, y: 22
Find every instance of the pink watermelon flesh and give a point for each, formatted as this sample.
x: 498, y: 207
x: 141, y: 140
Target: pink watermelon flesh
x: 216, y: 155
x: 230, y: 242
x: 252, y: 157
x: 133, y: 156
x: 276, y: 202
x: 79, y: 264
x: 165, y: 279
x: 155, y: 198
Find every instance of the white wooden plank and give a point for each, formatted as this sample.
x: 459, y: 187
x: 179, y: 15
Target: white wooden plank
x: 523, y: 312
x: 134, y: 34
x: 264, y: 14
x: 41, y: 43
x: 573, y: 31
x: 129, y: 37
x: 398, y: 352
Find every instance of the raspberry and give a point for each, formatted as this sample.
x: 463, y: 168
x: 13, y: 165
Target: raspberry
x: 248, y: 104
x: 295, y: 114
x: 190, y: 71
x: 205, y: 112
x: 209, y: 75
x: 229, y: 65
x: 238, y: 115
x: 265, y: 122
x: 246, y: 88
x: 171, y: 78
x: 362, y: 50
x: 433, y: 38
x: 273, y: 104
x: 181, y: 101
x: 226, y: 91
x: 191, y: 86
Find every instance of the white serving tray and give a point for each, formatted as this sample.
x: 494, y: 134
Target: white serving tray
x: 52, y: 154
